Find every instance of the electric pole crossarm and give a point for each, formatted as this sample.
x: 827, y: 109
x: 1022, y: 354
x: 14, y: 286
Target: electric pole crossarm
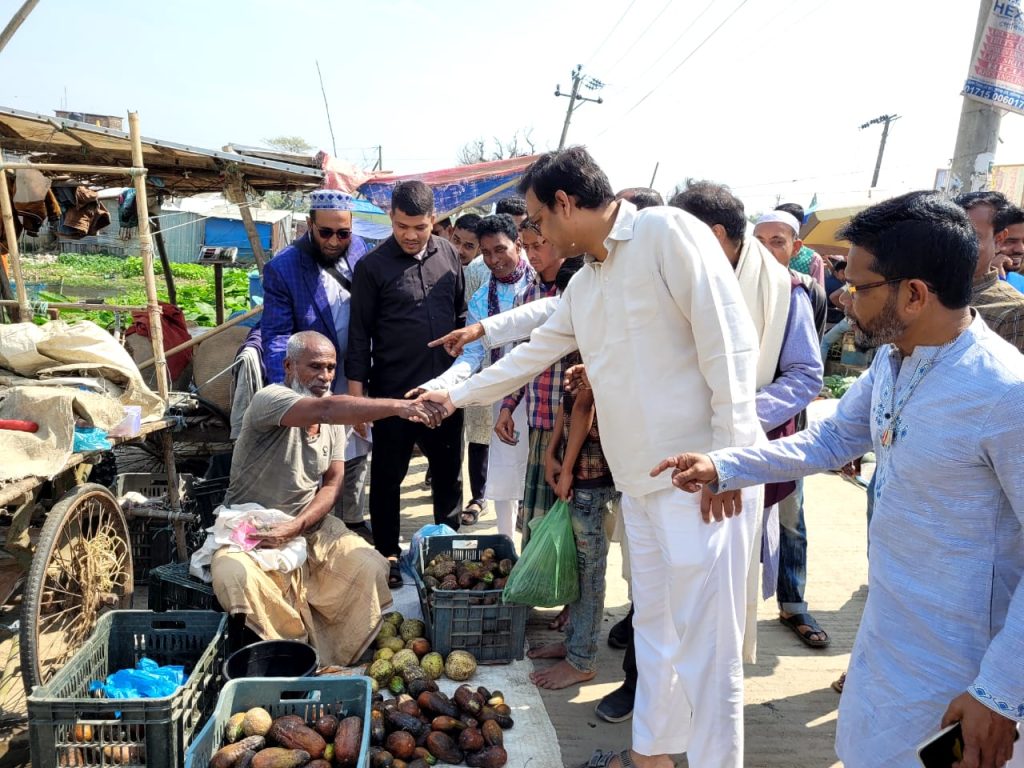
x: 885, y: 120
x: 575, y: 98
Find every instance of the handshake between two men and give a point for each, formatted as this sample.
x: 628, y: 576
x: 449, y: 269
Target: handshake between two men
x: 691, y: 472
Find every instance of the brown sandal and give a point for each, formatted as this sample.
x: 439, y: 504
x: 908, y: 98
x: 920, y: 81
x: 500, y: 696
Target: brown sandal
x: 472, y: 512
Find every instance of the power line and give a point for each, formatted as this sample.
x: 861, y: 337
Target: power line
x: 673, y: 44
x: 640, y: 36
x: 677, y: 67
x: 611, y: 31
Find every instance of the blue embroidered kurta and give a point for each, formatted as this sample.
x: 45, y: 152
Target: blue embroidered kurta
x: 945, y: 607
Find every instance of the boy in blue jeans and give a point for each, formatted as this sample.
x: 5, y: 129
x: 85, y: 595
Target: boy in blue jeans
x: 581, y: 478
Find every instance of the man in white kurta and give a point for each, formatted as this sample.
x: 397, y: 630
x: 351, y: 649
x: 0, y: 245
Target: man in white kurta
x: 671, y: 353
x: 942, y: 407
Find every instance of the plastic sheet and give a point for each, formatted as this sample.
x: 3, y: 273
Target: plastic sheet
x: 148, y: 680
x: 91, y: 439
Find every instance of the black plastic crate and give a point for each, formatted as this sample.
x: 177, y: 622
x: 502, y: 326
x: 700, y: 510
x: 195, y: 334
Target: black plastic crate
x: 67, y: 727
x: 308, y: 697
x: 152, y: 545
x: 204, y: 496
x: 173, y: 588
x: 152, y: 539
x: 494, y: 634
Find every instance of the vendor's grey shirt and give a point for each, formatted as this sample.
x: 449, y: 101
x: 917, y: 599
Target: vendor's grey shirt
x: 280, y: 467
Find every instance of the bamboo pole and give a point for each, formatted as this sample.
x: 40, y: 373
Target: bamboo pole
x: 79, y: 305
x: 161, y: 249
x: 11, y: 233
x: 113, y: 170
x: 480, y: 198
x: 156, y: 329
x: 236, y: 194
x: 208, y: 335
x: 16, y: 21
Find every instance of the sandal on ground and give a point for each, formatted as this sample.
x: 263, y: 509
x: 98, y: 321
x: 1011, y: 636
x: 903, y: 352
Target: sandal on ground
x: 797, y: 619
x: 602, y: 759
x: 394, y: 574
x: 472, y: 513
x: 837, y: 685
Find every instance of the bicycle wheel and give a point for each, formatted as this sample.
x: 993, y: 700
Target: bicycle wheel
x: 82, y: 568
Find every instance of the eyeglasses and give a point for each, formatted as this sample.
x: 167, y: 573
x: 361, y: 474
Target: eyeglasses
x: 530, y: 224
x: 326, y: 233
x: 852, y: 290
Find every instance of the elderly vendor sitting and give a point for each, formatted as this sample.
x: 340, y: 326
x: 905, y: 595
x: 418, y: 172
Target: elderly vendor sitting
x: 290, y: 456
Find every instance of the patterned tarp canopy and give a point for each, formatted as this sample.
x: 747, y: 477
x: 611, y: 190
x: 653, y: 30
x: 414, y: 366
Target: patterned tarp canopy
x: 480, y: 184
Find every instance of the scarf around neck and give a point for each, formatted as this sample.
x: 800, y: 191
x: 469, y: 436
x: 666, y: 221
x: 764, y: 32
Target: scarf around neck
x: 493, y: 308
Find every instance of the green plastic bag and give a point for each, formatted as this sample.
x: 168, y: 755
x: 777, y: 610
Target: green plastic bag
x: 546, y: 574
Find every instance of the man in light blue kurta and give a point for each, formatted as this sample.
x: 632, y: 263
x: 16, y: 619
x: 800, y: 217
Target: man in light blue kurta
x: 942, y: 406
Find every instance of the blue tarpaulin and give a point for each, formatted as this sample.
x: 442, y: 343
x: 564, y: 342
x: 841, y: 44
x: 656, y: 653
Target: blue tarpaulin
x: 455, y: 187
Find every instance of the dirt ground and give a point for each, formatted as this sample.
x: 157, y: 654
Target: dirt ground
x: 790, y: 709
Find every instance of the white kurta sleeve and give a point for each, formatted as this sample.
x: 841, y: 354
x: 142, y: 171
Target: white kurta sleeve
x: 1000, y: 682
x: 704, y: 288
x: 465, y: 365
x: 517, y: 323
x: 550, y: 342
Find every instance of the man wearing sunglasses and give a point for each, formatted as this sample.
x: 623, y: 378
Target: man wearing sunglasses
x: 308, y: 287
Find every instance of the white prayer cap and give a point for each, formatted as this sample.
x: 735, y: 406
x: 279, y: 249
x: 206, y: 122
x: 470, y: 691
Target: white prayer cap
x: 330, y: 200
x: 782, y: 218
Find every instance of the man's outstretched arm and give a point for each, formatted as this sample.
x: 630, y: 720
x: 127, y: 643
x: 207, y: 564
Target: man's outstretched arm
x: 345, y: 409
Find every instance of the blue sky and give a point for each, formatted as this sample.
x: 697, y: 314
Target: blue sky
x: 770, y: 104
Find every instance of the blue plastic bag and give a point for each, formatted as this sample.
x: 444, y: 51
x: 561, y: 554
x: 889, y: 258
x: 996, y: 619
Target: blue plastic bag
x: 147, y: 681
x: 412, y: 556
x: 90, y: 439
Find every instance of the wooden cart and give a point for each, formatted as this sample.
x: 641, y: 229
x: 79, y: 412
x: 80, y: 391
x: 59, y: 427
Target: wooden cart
x: 66, y: 557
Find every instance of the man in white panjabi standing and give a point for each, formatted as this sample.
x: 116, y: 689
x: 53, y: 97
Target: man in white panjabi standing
x: 671, y: 352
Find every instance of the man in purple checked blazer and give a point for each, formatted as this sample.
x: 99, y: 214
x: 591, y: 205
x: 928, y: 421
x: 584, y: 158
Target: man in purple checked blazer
x: 308, y: 287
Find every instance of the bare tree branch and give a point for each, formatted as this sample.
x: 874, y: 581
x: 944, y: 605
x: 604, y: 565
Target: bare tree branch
x: 528, y: 138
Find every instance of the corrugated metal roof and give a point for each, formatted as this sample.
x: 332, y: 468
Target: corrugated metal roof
x: 180, y: 168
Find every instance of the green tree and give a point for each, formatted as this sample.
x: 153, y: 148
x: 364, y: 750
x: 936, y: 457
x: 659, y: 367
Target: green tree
x: 295, y: 144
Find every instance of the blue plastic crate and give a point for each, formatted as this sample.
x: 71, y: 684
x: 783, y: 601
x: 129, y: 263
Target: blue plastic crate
x: 308, y: 697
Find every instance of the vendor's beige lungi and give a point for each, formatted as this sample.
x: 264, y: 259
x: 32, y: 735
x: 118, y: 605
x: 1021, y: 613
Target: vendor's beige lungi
x: 334, y: 601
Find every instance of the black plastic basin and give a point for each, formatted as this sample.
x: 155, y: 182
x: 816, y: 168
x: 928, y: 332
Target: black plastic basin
x: 272, y: 658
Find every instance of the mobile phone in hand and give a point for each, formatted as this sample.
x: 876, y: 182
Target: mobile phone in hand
x: 944, y: 749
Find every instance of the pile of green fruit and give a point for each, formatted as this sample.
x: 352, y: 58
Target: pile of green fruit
x: 446, y: 573
x: 254, y: 739
x: 423, y: 727
x: 404, y: 655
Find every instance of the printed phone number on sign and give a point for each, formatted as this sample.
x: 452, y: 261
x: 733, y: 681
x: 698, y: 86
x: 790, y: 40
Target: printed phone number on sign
x: 995, y: 95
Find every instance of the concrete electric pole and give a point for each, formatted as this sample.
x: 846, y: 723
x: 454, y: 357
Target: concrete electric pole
x: 885, y: 120
x: 978, y: 133
x: 590, y: 83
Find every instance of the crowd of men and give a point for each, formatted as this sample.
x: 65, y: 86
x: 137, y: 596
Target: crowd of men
x: 621, y: 354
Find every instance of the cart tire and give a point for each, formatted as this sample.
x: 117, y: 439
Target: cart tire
x: 81, y: 569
